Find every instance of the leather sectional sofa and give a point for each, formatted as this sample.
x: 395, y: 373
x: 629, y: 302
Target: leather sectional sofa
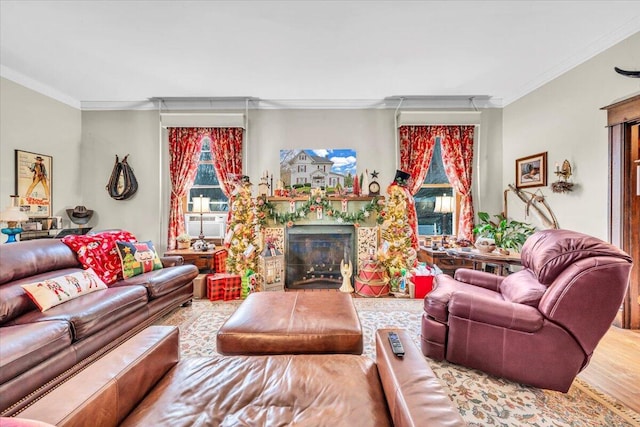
x: 39, y: 350
x: 143, y: 382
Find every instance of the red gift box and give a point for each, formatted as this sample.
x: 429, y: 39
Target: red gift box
x: 424, y: 285
x: 223, y: 286
x: 220, y: 261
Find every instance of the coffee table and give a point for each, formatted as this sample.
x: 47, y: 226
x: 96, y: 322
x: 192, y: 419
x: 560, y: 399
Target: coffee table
x: 292, y: 323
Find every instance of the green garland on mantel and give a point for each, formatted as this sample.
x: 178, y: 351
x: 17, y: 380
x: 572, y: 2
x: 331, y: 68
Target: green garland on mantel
x: 267, y: 211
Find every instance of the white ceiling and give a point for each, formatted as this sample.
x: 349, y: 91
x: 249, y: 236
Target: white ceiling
x: 93, y: 52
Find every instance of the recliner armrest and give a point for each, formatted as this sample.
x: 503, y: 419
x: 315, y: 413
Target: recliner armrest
x: 479, y: 278
x: 499, y: 313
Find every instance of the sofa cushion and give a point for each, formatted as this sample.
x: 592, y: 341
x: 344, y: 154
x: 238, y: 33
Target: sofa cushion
x: 48, y: 293
x: 24, y: 346
x: 98, y: 251
x: 137, y: 258
x: 34, y: 257
x: 340, y: 390
x: 164, y: 281
x: 522, y: 287
x: 93, y: 312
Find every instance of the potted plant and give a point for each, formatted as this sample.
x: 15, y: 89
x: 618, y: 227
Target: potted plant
x: 507, y: 234
x: 184, y: 241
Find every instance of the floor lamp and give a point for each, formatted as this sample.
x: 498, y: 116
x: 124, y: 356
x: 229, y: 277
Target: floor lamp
x: 12, y: 215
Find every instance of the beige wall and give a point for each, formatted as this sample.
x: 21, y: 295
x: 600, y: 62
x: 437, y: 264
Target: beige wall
x: 84, y: 146
x: 33, y: 122
x: 564, y: 119
x: 136, y: 133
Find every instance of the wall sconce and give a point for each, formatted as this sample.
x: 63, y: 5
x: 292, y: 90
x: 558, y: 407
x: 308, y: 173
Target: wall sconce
x: 563, y: 174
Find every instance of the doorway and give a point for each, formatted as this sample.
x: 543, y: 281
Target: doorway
x: 623, y: 120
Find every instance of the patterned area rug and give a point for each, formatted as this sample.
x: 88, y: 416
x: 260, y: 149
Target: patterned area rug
x: 482, y: 400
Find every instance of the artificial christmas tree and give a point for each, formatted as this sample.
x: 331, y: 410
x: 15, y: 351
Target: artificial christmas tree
x: 396, y: 252
x: 241, y: 239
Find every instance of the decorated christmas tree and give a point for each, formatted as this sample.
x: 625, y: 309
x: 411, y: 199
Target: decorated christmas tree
x: 396, y: 252
x: 241, y: 239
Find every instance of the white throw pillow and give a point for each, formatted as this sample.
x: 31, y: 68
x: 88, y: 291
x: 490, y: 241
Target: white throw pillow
x: 51, y: 292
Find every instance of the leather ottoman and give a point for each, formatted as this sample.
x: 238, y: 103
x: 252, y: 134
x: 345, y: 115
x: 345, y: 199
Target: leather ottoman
x: 292, y: 323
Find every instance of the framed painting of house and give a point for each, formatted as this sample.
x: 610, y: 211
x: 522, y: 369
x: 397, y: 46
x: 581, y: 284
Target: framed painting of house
x: 531, y: 171
x: 33, y: 183
x: 331, y: 169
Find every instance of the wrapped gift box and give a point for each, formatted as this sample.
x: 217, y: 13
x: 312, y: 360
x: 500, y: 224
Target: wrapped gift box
x: 220, y: 261
x: 223, y: 286
x: 423, y: 285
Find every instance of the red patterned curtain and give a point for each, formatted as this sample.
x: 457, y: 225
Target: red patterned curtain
x: 184, y: 152
x: 416, y: 149
x: 226, y: 144
x: 457, y: 157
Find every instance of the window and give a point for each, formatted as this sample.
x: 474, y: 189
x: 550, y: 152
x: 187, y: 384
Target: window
x: 206, y: 183
x: 302, y: 168
x: 436, y: 184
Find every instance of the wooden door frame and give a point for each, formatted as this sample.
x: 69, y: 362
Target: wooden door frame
x: 623, y: 121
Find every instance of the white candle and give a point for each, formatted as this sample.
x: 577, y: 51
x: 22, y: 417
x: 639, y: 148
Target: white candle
x: 201, y: 203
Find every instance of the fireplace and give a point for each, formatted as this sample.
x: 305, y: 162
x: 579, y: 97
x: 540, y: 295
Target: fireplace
x: 313, y: 254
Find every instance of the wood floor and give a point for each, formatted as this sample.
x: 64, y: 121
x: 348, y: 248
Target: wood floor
x: 615, y: 367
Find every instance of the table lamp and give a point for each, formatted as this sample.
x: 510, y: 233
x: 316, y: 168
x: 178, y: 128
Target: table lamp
x: 201, y: 204
x: 12, y: 215
x: 444, y: 205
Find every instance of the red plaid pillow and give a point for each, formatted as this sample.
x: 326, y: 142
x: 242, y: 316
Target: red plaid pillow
x: 98, y: 251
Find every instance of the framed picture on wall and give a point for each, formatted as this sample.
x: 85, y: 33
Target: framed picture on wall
x: 33, y: 183
x: 531, y: 171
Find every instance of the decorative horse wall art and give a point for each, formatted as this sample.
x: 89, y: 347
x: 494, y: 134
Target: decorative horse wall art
x: 122, y: 183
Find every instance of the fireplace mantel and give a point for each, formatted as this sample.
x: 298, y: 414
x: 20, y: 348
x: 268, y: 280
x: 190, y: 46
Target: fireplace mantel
x: 367, y: 232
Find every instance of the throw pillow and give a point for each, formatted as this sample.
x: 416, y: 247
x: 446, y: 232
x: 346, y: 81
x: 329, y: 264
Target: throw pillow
x: 137, y: 258
x: 51, y: 292
x: 98, y: 251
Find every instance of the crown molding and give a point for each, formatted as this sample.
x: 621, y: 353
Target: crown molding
x: 36, y: 86
x: 252, y: 103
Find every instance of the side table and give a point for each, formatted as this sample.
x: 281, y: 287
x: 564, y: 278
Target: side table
x: 477, y: 258
x: 201, y: 259
x: 447, y: 263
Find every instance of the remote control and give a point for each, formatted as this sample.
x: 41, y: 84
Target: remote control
x: 396, y: 345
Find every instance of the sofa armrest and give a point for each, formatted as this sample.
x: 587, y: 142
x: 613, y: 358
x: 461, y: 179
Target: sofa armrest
x: 479, y: 278
x: 495, y: 312
x: 106, y: 391
x: 414, y: 394
x: 171, y: 260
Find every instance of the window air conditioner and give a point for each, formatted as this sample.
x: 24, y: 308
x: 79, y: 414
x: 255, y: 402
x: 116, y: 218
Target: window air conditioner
x: 213, y: 225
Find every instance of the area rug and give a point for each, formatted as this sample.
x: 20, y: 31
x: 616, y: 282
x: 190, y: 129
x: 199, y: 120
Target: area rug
x: 483, y: 400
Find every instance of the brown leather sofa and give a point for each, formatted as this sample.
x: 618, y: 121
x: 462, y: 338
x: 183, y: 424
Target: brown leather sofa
x: 538, y: 326
x: 143, y: 382
x: 38, y: 349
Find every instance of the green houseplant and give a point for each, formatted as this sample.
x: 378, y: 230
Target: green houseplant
x: 507, y: 234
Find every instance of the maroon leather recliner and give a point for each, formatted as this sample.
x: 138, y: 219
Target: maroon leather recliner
x: 538, y: 326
